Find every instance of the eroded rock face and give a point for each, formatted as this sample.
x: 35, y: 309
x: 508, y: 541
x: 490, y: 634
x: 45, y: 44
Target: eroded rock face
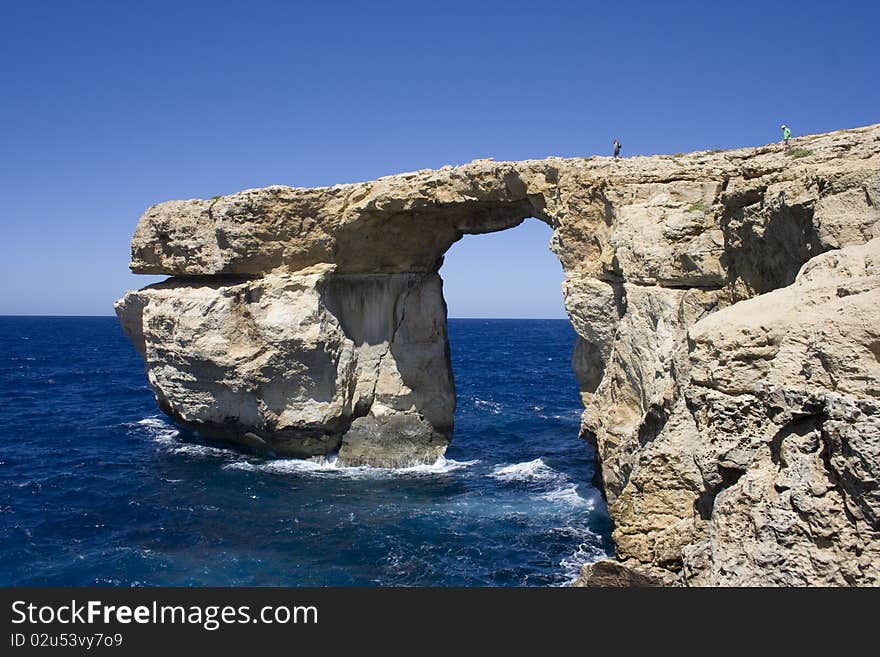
x: 306, y: 321
x: 291, y: 362
x: 785, y: 392
x: 751, y: 479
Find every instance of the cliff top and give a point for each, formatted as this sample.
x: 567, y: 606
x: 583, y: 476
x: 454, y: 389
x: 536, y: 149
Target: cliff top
x: 405, y: 222
x: 806, y: 148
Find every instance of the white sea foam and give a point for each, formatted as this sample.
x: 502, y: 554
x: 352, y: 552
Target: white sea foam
x: 556, y: 486
x: 329, y: 466
x: 441, y: 466
x: 166, y: 434
x: 528, y: 471
x: 281, y: 466
x: 584, y: 554
x: 493, y: 407
x: 193, y: 449
x: 159, y: 430
x: 568, y: 494
x: 152, y: 422
x: 571, y: 416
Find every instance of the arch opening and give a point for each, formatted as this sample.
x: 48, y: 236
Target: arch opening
x: 518, y: 402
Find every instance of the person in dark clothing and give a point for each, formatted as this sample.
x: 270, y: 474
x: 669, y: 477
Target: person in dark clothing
x: 616, y: 149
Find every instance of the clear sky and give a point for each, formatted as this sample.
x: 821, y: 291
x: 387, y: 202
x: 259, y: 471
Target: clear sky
x: 109, y: 107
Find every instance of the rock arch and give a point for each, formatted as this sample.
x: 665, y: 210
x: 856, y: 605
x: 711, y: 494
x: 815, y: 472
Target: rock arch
x: 311, y: 320
x: 327, y: 326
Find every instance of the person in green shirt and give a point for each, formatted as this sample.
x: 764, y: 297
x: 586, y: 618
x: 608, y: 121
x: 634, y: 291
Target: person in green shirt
x: 786, y: 137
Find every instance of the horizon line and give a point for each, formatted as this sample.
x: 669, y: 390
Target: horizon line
x: 74, y: 315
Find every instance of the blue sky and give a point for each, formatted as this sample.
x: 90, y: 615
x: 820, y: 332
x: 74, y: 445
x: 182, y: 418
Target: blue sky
x: 109, y: 107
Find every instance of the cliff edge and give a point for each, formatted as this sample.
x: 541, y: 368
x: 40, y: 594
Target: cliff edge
x: 728, y: 350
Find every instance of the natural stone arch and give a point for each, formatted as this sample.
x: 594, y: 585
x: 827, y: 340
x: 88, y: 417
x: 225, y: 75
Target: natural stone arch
x: 358, y: 262
x: 310, y: 320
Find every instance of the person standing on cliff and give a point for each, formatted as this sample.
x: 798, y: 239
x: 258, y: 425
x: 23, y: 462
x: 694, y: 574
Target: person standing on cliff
x: 616, y: 149
x: 786, y: 138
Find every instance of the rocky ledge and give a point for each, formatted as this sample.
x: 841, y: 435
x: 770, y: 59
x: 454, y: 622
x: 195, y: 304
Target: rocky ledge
x: 728, y: 351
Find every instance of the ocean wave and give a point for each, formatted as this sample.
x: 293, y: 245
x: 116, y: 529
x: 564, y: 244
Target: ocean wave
x: 584, y: 553
x: 166, y: 434
x: 194, y: 449
x: 527, y: 471
x: 281, y: 466
x: 572, y: 416
x: 568, y: 494
x: 493, y: 407
x: 329, y: 466
x: 158, y: 429
x: 441, y: 466
x: 555, y: 486
x: 153, y: 422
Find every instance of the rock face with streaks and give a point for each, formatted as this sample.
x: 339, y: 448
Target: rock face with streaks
x: 727, y: 352
x: 302, y: 363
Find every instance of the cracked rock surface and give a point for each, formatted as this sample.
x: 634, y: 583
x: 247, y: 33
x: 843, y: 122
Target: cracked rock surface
x: 727, y: 354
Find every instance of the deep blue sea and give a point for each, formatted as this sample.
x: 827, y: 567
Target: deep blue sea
x: 97, y: 487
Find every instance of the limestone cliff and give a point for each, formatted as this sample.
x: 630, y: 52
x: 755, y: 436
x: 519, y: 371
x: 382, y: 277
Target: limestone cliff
x: 732, y: 401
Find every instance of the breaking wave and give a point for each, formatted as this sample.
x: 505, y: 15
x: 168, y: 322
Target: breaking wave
x: 158, y: 429
x: 568, y: 494
x: 329, y: 467
x: 493, y: 407
x: 552, y: 485
x: 165, y: 434
x: 586, y: 552
x: 527, y: 471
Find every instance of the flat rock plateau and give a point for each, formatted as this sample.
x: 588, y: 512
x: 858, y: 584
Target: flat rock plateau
x: 727, y: 307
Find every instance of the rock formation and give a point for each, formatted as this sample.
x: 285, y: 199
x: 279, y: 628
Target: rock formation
x: 726, y: 306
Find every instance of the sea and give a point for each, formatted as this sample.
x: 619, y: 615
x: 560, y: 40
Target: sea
x: 98, y: 487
